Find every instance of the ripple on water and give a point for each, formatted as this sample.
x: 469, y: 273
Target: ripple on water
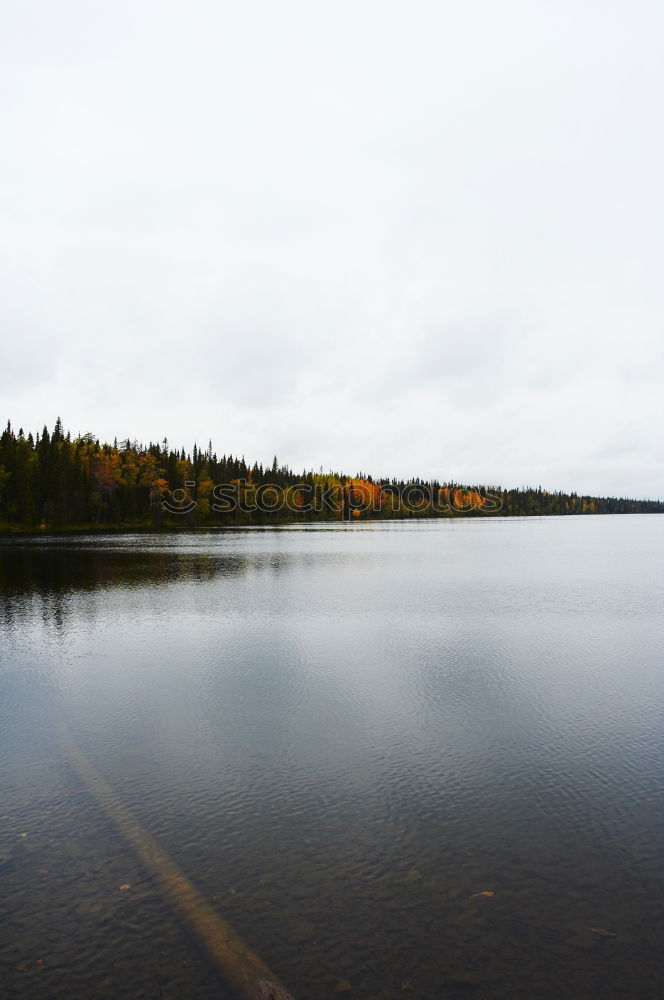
x: 344, y: 738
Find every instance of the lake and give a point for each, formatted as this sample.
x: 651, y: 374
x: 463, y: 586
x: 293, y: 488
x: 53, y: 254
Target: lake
x: 402, y: 759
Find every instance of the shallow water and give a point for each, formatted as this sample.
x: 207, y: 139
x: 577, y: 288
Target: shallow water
x: 341, y: 734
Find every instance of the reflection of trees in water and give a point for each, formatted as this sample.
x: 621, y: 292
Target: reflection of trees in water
x: 54, y: 576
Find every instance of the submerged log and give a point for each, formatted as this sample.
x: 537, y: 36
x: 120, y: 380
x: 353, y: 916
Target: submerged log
x: 248, y: 973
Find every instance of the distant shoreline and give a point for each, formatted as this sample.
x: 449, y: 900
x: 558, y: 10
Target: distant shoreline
x: 52, y: 483
x: 179, y: 528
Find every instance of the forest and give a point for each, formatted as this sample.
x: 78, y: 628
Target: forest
x: 53, y: 482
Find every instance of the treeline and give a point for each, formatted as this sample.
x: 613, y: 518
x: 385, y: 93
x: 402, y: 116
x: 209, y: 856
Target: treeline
x: 53, y: 482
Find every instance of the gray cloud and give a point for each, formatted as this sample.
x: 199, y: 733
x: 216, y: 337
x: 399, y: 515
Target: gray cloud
x: 412, y: 241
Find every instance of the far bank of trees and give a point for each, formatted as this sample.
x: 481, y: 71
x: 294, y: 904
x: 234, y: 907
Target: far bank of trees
x: 50, y: 481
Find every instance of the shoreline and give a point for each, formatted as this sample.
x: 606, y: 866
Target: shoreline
x: 164, y: 529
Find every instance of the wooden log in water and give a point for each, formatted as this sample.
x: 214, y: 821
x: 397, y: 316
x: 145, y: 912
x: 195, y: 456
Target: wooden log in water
x: 250, y: 976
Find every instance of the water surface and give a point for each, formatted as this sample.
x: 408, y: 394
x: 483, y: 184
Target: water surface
x: 342, y: 734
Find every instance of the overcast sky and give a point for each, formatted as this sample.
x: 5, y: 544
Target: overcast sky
x: 403, y: 238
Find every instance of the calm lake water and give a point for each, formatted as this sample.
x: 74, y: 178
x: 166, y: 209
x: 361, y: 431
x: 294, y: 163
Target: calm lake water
x: 341, y: 734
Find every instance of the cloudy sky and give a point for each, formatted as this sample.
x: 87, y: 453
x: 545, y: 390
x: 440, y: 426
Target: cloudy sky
x: 404, y: 238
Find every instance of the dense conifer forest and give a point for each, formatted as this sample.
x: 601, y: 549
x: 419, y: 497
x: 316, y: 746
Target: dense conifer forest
x: 51, y: 481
